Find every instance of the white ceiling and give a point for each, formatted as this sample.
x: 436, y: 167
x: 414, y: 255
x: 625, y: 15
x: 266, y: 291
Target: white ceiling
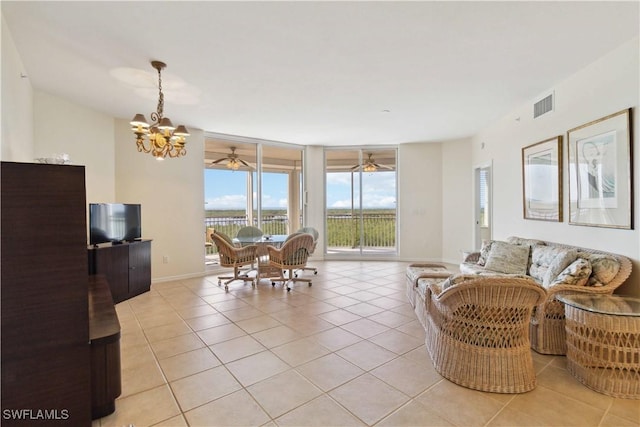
x: 327, y: 73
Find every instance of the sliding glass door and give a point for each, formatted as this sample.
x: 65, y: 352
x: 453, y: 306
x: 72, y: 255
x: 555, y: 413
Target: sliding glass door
x: 251, y: 184
x: 361, y: 189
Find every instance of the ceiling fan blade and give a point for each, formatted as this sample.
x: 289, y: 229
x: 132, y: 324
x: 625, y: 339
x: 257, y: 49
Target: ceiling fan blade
x: 382, y: 166
x: 246, y: 164
x: 215, y: 162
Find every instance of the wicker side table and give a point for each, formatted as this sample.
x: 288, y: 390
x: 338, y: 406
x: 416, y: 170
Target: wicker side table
x: 603, y: 343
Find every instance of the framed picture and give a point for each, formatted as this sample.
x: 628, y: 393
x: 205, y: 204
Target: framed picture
x: 542, y: 180
x: 600, y: 181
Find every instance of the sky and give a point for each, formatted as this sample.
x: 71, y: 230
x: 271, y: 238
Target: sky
x: 227, y: 190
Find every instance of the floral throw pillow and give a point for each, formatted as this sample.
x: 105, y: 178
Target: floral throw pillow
x: 605, y: 268
x: 577, y: 273
x: 484, y: 251
x: 560, y: 262
x: 507, y: 258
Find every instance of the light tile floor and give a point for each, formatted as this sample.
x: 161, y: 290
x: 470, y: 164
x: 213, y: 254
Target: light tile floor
x: 347, y: 351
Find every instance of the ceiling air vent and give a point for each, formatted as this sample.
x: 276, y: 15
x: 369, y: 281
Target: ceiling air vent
x: 543, y: 106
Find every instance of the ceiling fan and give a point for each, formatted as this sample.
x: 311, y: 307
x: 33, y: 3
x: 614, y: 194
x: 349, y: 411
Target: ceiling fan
x: 370, y: 165
x: 233, y: 161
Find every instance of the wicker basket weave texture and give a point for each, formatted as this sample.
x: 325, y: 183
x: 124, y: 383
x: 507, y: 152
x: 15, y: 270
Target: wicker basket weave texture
x: 548, y: 322
x: 477, y: 333
x: 547, y: 326
x: 603, y: 352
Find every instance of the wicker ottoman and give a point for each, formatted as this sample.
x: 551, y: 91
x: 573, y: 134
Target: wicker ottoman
x: 603, y: 343
x: 417, y: 271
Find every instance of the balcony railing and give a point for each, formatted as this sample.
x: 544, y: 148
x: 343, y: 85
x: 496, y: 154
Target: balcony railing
x: 343, y: 230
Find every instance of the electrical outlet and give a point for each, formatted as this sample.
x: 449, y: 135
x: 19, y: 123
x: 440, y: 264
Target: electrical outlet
x: 165, y: 259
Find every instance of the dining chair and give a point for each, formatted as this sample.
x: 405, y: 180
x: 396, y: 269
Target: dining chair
x: 230, y: 256
x: 293, y: 255
x: 315, y: 234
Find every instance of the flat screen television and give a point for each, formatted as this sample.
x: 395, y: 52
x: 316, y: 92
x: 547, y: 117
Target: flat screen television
x: 114, y: 222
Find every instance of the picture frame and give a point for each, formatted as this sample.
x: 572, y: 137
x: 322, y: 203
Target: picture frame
x: 600, y: 172
x: 542, y: 180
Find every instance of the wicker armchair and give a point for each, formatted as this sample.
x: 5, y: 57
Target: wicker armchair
x: 230, y: 256
x: 293, y: 255
x: 477, y: 332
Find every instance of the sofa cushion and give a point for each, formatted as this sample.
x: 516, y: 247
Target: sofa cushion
x: 560, y: 262
x: 416, y: 271
x: 508, y: 258
x: 543, y: 256
x: 525, y: 242
x: 471, y: 268
x: 577, y: 274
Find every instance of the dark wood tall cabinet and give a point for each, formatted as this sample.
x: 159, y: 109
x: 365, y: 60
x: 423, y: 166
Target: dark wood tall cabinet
x: 126, y: 266
x: 44, y: 302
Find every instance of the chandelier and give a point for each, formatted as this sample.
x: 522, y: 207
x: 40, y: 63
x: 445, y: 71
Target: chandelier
x: 164, y: 138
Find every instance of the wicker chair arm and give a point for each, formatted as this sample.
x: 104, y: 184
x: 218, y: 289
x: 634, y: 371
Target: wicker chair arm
x: 275, y: 254
x: 483, y: 284
x: 554, y: 291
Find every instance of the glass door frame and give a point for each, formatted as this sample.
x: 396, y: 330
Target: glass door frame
x: 363, y: 155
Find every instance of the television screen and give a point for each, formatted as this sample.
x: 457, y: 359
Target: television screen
x: 114, y: 222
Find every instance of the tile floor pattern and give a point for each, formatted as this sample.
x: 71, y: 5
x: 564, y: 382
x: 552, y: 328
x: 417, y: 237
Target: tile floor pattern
x: 347, y: 351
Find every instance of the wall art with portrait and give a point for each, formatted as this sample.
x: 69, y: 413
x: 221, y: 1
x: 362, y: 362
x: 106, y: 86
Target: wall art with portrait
x: 542, y: 180
x: 600, y: 181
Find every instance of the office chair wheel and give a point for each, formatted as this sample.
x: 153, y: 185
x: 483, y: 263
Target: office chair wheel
x: 219, y: 282
x: 309, y: 283
x: 288, y: 289
x: 315, y: 272
x: 273, y: 284
x: 295, y: 275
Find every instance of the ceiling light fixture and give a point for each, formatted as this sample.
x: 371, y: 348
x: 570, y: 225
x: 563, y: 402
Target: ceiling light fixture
x: 164, y: 139
x: 369, y: 167
x: 233, y: 162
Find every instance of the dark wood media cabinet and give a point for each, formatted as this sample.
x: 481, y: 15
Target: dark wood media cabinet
x: 104, y: 339
x: 126, y: 267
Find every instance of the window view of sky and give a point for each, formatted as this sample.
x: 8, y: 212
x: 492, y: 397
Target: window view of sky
x: 228, y: 190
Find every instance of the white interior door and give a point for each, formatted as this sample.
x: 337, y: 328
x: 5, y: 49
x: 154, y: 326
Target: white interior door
x: 483, y: 214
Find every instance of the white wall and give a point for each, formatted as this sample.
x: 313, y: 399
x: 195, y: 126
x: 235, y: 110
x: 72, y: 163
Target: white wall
x: 171, y: 193
x: 420, y: 189
x: 86, y: 135
x: 16, y: 108
x: 457, y: 200
x: 604, y: 87
x: 314, y: 186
